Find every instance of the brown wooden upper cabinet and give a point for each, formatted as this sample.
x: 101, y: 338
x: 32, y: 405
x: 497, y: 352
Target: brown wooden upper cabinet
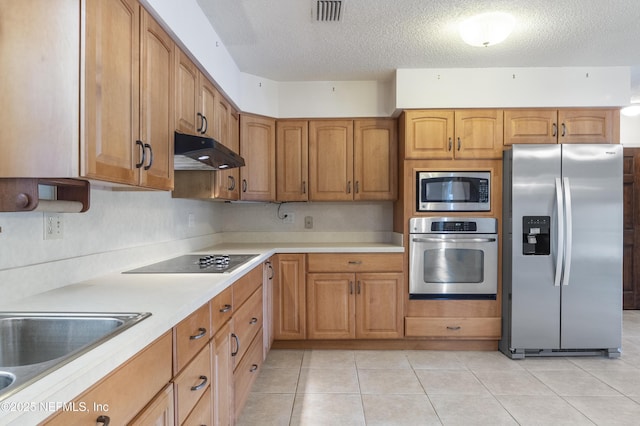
x: 196, y: 100
x: 353, y: 160
x: 258, y: 148
x: 453, y: 134
x: 292, y: 160
x: 124, y: 98
x: 585, y: 125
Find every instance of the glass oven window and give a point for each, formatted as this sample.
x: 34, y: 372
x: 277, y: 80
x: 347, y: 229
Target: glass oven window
x: 453, y: 265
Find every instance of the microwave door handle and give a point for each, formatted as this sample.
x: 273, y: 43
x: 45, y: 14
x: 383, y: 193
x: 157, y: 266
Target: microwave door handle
x: 560, y: 247
x: 454, y: 240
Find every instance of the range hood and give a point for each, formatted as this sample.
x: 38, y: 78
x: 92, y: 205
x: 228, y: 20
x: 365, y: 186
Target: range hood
x: 203, y: 153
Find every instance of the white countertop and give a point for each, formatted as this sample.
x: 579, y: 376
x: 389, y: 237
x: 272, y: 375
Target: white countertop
x: 168, y: 297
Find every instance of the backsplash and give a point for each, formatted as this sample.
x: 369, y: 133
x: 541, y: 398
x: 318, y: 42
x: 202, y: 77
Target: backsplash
x: 127, y: 229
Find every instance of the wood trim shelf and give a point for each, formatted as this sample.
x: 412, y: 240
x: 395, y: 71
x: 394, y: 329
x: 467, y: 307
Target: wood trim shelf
x: 21, y: 195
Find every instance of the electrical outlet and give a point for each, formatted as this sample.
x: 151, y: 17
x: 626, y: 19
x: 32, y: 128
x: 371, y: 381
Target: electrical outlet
x: 308, y: 222
x: 289, y: 218
x: 53, y: 226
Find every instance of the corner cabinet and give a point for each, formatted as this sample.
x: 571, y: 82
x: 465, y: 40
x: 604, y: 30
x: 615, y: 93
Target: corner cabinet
x: 352, y: 160
x: 583, y: 125
x: 453, y: 134
x: 128, y: 96
x: 258, y: 148
x: 355, y: 296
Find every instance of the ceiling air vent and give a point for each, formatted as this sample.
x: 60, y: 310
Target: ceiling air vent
x: 328, y: 10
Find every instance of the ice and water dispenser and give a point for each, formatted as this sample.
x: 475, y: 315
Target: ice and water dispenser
x: 536, y: 238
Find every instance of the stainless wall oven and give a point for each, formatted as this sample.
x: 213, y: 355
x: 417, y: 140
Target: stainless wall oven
x: 453, y: 258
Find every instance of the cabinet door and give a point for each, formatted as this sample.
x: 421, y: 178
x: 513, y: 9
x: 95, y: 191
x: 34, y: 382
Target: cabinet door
x: 40, y: 57
x: 530, y: 126
x: 258, y: 148
x: 478, y: 134
x: 292, y: 150
x: 589, y: 126
x: 379, y: 302
x: 429, y: 134
x: 186, y: 105
x: 331, y: 160
x: 159, y: 412
x: 111, y: 93
x: 156, y: 104
x: 375, y: 166
x: 289, y: 298
x: 222, y: 377
x: 209, y: 122
x: 331, y: 306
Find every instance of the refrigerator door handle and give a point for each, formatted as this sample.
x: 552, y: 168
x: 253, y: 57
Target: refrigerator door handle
x: 560, y: 250
x: 569, y: 233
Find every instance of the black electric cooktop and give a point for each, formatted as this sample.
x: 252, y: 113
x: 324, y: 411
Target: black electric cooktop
x: 196, y: 264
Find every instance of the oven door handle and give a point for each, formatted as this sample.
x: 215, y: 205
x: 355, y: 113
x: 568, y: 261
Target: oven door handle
x: 454, y: 240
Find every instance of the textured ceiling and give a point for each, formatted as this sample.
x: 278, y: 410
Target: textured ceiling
x: 277, y: 39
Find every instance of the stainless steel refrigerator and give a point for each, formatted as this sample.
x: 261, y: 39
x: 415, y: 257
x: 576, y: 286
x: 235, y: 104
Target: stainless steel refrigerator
x: 562, y: 250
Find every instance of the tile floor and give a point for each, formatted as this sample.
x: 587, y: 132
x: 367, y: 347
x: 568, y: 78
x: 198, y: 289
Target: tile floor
x: 352, y: 387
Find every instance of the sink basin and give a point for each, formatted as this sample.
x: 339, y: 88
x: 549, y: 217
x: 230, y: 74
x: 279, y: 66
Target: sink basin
x: 33, y: 344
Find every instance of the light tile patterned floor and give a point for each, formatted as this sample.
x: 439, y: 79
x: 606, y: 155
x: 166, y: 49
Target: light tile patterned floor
x: 336, y: 387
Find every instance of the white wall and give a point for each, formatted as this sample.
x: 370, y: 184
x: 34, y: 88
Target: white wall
x: 630, y: 131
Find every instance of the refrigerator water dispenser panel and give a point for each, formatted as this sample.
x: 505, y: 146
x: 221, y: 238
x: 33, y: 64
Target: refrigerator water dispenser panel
x: 536, y: 235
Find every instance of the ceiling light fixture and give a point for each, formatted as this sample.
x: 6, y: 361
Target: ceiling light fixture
x: 487, y: 29
x: 632, y: 110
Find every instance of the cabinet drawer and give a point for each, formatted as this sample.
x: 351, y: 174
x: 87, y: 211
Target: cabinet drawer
x: 247, y: 321
x: 354, y: 262
x: 221, y: 309
x: 201, y: 414
x: 192, y: 383
x: 467, y: 328
x: 190, y: 335
x: 246, y: 373
x: 245, y: 286
x: 127, y: 390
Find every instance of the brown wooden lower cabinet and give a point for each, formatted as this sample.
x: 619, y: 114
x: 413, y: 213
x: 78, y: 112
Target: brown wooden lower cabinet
x: 452, y: 328
x: 159, y: 412
x: 125, y: 392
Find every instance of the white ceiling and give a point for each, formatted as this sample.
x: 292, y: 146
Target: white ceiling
x: 278, y: 39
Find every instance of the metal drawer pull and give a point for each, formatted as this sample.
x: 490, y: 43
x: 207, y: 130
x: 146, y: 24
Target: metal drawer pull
x: 453, y: 327
x: 253, y: 320
x: 225, y: 309
x: 105, y: 420
x: 253, y: 368
x: 355, y: 262
x: 200, y: 335
x: 201, y: 385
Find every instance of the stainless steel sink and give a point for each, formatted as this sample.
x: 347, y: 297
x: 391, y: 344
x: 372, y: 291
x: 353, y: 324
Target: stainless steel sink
x: 33, y: 344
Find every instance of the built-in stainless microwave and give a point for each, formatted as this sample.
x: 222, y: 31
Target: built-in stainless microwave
x: 453, y: 191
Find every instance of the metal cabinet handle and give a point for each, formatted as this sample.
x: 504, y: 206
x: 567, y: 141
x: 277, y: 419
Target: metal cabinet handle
x: 253, y: 320
x: 244, y: 185
x: 304, y: 186
x: 205, y: 124
x: 232, y: 183
x: 234, y: 353
x: 105, y: 420
x: 357, y: 187
x: 359, y: 287
x: 453, y: 327
x: 459, y: 143
x: 201, y: 117
x: 564, y: 130
x: 355, y: 262
x: 225, y: 309
x: 349, y: 187
x: 273, y: 272
x: 201, y: 384
x: 142, y: 155
x: 253, y: 368
x: 200, y: 335
x: 554, y: 130
x: 148, y: 166
x: 350, y: 287
x: 450, y: 144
